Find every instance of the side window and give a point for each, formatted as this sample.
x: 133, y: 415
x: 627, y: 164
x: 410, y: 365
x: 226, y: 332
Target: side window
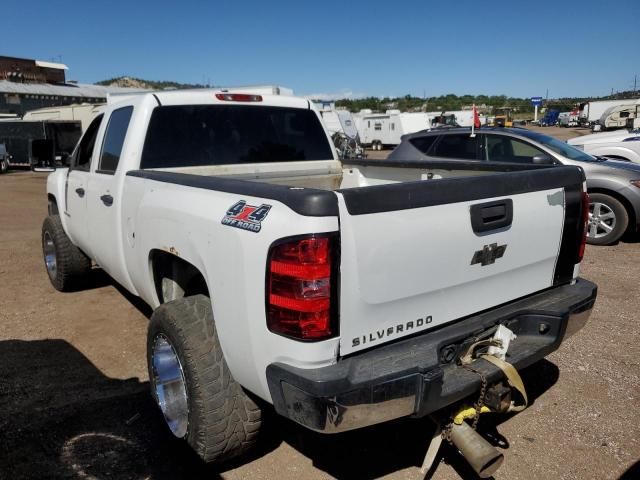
x: 114, y: 139
x: 462, y: 147
x: 84, y: 151
x: 423, y: 143
x: 511, y: 150
x: 377, y: 126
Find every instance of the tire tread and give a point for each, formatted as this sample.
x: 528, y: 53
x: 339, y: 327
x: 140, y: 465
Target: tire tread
x: 224, y: 421
x: 71, y: 263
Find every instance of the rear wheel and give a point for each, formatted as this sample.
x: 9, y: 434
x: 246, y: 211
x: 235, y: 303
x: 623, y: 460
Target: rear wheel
x: 608, y: 219
x: 192, y: 384
x: 4, y: 165
x: 67, y: 266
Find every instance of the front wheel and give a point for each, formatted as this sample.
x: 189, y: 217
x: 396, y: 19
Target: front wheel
x: 192, y: 384
x: 4, y: 165
x: 608, y: 219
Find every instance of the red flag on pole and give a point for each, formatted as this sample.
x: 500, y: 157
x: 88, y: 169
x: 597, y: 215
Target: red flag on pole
x: 476, y: 117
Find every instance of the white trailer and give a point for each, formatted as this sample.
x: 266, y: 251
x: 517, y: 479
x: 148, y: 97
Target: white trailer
x: 590, y: 112
x: 464, y: 118
x: 380, y: 130
x: 337, y: 119
x: 84, y: 113
x: 617, y: 116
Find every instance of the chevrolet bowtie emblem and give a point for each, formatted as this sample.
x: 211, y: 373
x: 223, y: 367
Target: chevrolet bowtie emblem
x: 488, y: 254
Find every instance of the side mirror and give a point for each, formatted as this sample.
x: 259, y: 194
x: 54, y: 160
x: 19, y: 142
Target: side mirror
x: 42, y: 156
x: 543, y: 159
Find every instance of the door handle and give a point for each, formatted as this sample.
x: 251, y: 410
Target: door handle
x: 107, y: 200
x: 489, y: 216
x: 80, y: 192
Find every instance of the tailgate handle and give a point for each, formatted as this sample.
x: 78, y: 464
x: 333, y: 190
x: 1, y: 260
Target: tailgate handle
x: 486, y: 217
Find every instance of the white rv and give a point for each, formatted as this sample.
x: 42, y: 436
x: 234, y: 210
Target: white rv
x: 617, y: 116
x: 84, y: 113
x: 590, y: 112
x: 380, y: 130
x: 337, y: 120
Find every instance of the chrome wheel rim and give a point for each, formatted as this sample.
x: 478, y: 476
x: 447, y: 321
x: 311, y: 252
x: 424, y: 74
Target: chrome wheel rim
x: 50, y: 259
x: 602, y: 220
x: 169, y: 387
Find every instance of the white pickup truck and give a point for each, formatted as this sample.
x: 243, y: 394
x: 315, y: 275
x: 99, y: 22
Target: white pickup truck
x: 341, y: 294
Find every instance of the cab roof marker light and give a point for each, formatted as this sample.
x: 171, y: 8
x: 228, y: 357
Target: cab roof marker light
x: 238, y: 97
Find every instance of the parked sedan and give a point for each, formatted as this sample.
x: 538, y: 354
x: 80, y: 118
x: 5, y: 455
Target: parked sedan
x: 613, y: 186
x: 620, y: 144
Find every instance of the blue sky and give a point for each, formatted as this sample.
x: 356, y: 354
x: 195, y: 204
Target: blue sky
x: 340, y: 48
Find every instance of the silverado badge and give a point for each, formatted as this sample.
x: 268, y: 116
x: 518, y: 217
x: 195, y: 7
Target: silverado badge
x: 246, y: 217
x: 488, y: 255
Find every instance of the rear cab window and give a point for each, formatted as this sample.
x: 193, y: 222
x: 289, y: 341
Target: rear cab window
x: 201, y: 135
x: 114, y: 140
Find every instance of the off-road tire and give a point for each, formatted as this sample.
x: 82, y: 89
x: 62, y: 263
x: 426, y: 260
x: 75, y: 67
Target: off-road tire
x: 72, y: 265
x: 621, y: 215
x: 223, y: 420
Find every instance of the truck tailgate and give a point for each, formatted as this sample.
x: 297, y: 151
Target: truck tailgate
x: 418, y: 255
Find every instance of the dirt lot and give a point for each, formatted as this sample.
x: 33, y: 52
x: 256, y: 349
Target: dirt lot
x: 74, y: 400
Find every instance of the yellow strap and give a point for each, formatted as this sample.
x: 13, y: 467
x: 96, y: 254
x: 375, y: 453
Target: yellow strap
x: 513, y: 377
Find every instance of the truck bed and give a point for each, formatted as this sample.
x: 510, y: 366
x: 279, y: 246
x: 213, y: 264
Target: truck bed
x: 332, y: 175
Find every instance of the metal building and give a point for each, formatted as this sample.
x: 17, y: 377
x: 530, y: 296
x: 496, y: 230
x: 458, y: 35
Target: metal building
x: 31, y: 84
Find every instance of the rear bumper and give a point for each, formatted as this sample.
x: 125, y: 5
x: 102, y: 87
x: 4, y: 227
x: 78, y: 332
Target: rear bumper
x: 419, y: 375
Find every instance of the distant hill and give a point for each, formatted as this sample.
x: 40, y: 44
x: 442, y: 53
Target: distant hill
x: 132, y: 82
x: 448, y: 102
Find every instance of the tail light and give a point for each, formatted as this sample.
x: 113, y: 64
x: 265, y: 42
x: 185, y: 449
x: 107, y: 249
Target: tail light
x: 302, y: 287
x: 585, y: 224
x: 239, y: 97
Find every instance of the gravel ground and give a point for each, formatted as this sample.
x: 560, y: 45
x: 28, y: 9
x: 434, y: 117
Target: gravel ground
x: 74, y: 399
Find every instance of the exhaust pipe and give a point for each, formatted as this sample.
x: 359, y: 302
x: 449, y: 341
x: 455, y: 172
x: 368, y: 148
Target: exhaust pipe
x: 480, y: 454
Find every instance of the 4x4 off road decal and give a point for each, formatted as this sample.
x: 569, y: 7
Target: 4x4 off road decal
x: 246, y: 217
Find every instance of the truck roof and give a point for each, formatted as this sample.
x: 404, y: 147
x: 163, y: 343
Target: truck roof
x: 203, y: 96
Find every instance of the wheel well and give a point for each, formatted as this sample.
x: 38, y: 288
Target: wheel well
x: 627, y: 205
x: 52, y: 205
x: 174, y: 277
x: 617, y: 157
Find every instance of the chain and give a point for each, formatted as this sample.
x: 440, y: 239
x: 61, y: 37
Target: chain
x: 465, y: 362
x: 446, y: 432
x: 483, y: 390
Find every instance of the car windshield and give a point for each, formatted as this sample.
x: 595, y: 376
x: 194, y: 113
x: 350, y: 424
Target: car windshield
x: 559, y: 146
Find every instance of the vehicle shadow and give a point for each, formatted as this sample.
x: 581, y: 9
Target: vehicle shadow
x: 60, y: 417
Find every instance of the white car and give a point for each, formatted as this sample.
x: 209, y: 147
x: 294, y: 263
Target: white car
x: 619, y: 144
x: 341, y: 293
